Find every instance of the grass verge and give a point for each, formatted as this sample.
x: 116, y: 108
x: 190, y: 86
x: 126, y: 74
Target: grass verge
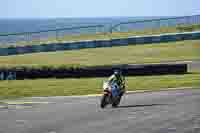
x: 67, y: 87
x: 135, y: 54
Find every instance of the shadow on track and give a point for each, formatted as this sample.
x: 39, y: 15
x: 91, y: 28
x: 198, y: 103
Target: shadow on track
x: 140, y: 105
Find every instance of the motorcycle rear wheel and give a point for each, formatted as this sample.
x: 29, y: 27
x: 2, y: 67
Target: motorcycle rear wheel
x: 116, y: 102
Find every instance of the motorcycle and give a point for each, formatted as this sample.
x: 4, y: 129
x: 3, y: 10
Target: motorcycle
x: 111, y: 94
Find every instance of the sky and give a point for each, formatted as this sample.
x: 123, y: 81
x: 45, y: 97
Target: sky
x: 96, y: 8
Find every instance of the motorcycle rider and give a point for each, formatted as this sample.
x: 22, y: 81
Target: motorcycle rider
x: 119, y: 79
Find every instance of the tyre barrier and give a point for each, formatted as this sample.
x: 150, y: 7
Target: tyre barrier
x: 101, y: 71
x: 99, y: 43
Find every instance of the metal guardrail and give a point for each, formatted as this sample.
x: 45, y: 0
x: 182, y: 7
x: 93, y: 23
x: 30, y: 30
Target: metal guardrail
x: 94, y: 32
x: 162, y: 38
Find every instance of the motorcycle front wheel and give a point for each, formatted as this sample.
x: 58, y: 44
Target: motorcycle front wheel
x: 104, y: 101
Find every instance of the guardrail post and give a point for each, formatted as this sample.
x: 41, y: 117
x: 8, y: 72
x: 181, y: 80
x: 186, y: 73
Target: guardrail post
x: 56, y: 35
x: 110, y: 31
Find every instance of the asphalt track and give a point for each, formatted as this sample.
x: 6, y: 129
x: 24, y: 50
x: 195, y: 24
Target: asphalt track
x: 175, y: 111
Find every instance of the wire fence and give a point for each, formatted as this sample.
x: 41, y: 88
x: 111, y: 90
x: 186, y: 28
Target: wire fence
x: 155, y: 23
x: 56, y: 35
x: 96, y: 32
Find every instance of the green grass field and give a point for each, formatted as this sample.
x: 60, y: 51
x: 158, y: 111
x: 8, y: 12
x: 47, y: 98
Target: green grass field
x: 154, y: 53
x: 151, y: 53
x: 66, y: 87
x: 98, y: 36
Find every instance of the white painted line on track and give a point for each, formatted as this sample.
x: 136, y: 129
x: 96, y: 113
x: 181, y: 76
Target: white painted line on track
x: 21, y: 102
